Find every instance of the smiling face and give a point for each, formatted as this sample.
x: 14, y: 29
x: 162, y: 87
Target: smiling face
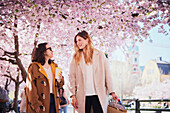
x: 81, y: 42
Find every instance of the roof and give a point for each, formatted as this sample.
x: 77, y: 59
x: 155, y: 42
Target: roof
x: 164, y: 68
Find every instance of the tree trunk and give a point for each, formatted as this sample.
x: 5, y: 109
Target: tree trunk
x: 16, y: 95
x: 7, y: 84
x: 16, y: 42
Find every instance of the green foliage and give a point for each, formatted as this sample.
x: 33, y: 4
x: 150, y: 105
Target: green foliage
x: 157, y: 106
x: 16, y: 10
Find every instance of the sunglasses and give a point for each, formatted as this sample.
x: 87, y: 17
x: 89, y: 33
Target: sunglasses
x: 49, y: 49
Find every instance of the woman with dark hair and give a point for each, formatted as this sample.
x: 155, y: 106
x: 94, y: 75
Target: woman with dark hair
x: 64, y: 100
x: 41, y: 85
x: 90, y: 77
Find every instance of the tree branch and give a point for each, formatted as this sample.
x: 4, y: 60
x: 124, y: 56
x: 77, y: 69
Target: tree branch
x: 9, y: 60
x: 21, y: 81
x: 9, y: 77
x: 8, y: 81
x: 7, y: 52
x: 23, y: 54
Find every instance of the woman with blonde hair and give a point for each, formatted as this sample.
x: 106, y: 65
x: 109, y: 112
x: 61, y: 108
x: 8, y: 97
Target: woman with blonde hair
x: 90, y: 77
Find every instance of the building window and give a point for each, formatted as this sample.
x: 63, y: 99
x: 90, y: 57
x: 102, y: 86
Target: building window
x: 134, y: 69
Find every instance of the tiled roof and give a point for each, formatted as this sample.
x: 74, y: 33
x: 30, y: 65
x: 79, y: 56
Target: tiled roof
x: 164, y: 68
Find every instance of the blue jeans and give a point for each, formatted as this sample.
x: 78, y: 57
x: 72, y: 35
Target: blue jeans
x: 63, y: 109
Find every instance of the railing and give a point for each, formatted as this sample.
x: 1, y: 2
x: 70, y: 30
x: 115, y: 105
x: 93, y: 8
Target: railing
x: 138, y: 109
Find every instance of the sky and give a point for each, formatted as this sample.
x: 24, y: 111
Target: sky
x: 160, y: 47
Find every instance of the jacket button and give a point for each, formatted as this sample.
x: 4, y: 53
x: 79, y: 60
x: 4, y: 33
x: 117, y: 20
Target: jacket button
x: 42, y: 82
x: 45, y: 84
x: 43, y: 96
x: 43, y: 108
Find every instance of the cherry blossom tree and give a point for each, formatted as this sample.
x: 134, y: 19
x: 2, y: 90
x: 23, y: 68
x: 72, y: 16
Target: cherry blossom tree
x: 111, y: 24
x: 149, y: 90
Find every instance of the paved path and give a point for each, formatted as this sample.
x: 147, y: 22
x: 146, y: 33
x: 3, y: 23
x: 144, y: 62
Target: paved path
x: 70, y: 110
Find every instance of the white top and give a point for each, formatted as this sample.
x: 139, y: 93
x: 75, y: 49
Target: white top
x: 50, y: 77
x: 89, y: 80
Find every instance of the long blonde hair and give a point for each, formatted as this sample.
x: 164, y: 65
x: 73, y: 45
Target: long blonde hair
x: 89, y: 49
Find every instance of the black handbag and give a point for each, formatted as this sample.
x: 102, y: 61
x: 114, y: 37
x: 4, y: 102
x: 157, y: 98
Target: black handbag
x: 63, y: 101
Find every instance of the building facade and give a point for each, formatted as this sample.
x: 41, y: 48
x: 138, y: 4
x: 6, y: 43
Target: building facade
x: 156, y: 71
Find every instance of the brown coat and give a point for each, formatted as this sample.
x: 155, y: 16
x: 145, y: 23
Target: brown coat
x: 102, y: 80
x: 38, y: 89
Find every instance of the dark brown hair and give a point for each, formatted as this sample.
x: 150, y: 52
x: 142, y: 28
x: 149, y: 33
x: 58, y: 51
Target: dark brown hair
x: 39, y: 54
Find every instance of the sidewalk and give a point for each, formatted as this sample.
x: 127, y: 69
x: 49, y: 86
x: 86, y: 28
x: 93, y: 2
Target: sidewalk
x: 70, y: 109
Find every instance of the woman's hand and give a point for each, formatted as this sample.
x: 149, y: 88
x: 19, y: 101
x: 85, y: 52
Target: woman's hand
x: 74, y: 102
x: 114, y: 96
x: 60, y: 75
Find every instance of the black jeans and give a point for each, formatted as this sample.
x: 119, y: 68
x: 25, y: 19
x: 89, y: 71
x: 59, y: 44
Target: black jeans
x: 52, y: 104
x: 3, y: 107
x: 93, y: 101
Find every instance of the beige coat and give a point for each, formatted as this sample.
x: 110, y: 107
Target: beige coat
x: 102, y: 80
x: 38, y: 88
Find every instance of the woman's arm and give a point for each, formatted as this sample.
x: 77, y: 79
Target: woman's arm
x: 72, y: 79
x: 31, y: 89
x: 72, y: 84
x: 109, y: 79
